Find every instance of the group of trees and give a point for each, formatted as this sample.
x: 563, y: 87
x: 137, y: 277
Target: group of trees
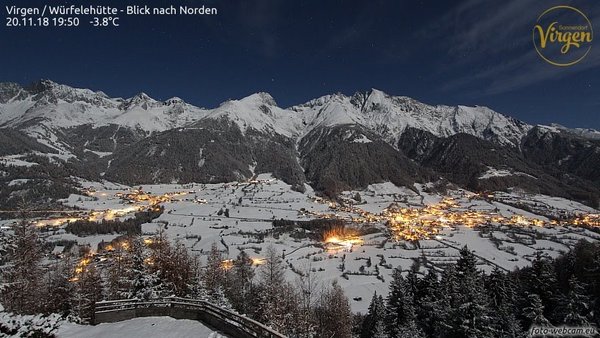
x: 461, y: 301
x: 157, y: 267
x: 40, y: 186
x: 303, y: 308
x: 29, y: 287
x: 84, y: 227
x: 313, y: 224
x: 131, y: 226
x: 72, y: 285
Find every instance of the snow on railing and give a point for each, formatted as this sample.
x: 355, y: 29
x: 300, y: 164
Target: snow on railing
x: 226, y: 317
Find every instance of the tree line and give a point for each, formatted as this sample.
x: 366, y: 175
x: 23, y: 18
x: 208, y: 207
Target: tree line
x: 457, y: 301
x: 131, y: 226
x: 462, y: 301
x: 302, y: 308
x: 156, y: 267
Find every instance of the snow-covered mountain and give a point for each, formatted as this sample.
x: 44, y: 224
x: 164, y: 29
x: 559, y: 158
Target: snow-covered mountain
x: 335, y: 142
x: 45, y: 109
x: 57, y: 106
x: 62, y: 106
x: 259, y: 112
x: 390, y: 115
x: 588, y: 133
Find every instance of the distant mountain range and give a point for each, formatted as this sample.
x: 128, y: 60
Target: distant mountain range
x: 332, y: 143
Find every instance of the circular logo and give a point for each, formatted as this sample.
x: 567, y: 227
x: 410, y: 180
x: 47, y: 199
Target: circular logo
x: 563, y: 35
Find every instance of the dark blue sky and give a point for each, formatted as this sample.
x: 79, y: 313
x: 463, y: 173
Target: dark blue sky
x: 439, y: 52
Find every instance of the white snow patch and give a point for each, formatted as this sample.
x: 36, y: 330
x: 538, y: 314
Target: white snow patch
x: 16, y: 161
x: 492, y: 172
x: 18, y: 181
x: 362, y: 139
x: 100, y: 153
x: 202, y: 160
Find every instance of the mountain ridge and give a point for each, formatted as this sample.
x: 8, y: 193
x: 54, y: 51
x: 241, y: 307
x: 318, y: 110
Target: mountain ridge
x: 373, y: 109
x: 334, y: 142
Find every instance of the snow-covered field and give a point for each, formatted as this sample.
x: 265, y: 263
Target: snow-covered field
x: 196, y: 215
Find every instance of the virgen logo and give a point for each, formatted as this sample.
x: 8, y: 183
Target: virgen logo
x: 563, y: 35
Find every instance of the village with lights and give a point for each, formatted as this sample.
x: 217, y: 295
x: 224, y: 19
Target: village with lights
x: 370, y: 232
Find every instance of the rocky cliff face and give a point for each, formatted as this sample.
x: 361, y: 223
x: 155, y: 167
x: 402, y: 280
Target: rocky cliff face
x: 349, y: 156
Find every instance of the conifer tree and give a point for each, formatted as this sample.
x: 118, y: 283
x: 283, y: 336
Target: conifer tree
x: 213, y: 275
x: 118, y: 274
x: 401, y: 313
x: 275, y: 295
x: 433, y: 305
x: 502, y: 293
x: 141, y: 283
x: 333, y: 314
x: 535, y: 311
x: 23, y: 278
x: 183, y: 270
x: 575, y: 305
x: 240, y: 285
x: 374, y: 322
x: 161, y: 268
x: 59, y: 288
x: 470, y: 313
x: 396, y: 303
x: 89, y: 290
x: 541, y: 280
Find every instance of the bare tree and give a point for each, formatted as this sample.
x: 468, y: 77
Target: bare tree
x: 334, y: 314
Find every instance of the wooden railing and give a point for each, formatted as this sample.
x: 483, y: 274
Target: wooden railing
x: 226, y: 321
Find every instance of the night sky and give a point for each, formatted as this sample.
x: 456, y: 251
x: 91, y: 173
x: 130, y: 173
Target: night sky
x: 439, y: 52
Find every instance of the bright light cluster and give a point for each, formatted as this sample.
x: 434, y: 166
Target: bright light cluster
x: 337, y: 240
x: 424, y: 223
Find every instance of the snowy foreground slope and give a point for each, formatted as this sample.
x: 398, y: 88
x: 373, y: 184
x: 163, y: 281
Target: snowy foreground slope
x: 143, y: 327
x: 146, y: 327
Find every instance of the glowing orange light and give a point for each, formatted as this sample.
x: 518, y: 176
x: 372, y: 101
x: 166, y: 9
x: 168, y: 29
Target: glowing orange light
x: 258, y: 261
x: 227, y: 264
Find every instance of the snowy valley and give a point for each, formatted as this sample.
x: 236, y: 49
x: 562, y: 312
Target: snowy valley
x: 348, y: 191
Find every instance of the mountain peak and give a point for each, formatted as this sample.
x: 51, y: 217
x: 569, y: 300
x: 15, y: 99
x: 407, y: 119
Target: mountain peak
x: 41, y: 86
x: 260, y: 98
x: 378, y: 93
x: 141, y: 96
x: 141, y: 99
x: 368, y: 98
x: 588, y: 133
x: 174, y: 100
x: 321, y: 101
x: 374, y: 109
